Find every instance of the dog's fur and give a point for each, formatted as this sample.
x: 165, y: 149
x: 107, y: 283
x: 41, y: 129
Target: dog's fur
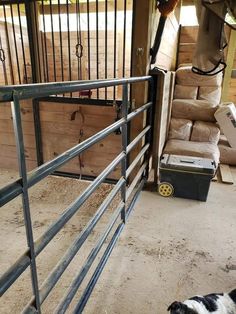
x: 215, y: 303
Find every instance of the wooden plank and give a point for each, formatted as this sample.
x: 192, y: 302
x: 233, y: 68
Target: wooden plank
x: 228, y: 70
x: 226, y: 174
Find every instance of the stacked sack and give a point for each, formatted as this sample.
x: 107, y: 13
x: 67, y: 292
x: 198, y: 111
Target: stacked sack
x: 193, y: 130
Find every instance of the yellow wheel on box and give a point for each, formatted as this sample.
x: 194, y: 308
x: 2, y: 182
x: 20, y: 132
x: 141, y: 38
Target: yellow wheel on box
x: 165, y: 189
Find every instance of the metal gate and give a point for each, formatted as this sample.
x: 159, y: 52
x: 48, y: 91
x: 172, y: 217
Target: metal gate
x: 127, y: 189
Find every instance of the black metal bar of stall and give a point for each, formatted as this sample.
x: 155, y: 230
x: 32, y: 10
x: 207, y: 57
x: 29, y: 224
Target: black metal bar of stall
x: 23, y: 262
x: 97, y: 46
x: 16, y: 115
x: 115, y: 45
x: 149, y: 121
x: 53, y: 44
x: 45, y: 41
x: 36, y: 23
x: 79, y: 47
x: 7, y: 2
x: 106, y: 46
x: 68, y: 35
x: 37, y: 131
x: 62, y: 307
x: 43, y: 55
x: 22, y: 43
x: 32, y: 42
x: 60, y: 35
x: 88, y: 21
x: 9, y: 47
x: 124, y: 133
x: 86, y: 294
x: 63, y: 263
x: 15, y: 44
x: 80, y: 101
x: 124, y: 38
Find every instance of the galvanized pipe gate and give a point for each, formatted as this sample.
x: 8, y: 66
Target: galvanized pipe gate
x: 129, y: 191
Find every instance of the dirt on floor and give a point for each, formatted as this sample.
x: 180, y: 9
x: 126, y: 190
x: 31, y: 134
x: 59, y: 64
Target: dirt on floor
x: 170, y: 249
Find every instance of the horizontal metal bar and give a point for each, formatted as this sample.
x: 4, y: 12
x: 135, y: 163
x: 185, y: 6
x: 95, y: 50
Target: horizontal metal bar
x: 134, y: 199
x: 58, y: 270
x: 14, y: 189
x: 43, y: 90
x: 6, y: 92
x: 138, y: 111
x: 79, y: 101
x: 137, y: 139
x: 40, y: 244
x: 81, y: 177
x: 62, y: 307
x: 135, y: 180
x: 136, y: 160
x: 80, y: 306
x: 7, y: 279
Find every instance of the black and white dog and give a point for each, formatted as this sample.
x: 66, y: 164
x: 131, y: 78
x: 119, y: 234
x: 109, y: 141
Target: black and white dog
x: 216, y: 303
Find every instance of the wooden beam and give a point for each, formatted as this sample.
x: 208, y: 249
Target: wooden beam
x: 230, y: 63
x: 83, y: 7
x: 143, y: 11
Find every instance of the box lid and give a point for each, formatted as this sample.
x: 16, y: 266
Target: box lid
x: 188, y: 163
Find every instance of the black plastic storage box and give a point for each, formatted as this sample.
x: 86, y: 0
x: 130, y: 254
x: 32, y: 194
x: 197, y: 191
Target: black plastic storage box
x: 184, y: 176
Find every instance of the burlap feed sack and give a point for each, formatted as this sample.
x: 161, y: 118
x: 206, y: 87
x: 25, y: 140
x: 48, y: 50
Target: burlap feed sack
x: 185, y: 92
x: 195, y: 149
x: 193, y: 110
x: 205, y: 132
x: 180, y: 129
x: 210, y: 93
x: 185, y: 76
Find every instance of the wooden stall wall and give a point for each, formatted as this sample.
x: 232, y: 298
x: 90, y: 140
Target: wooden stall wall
x: 8, y: 154
x: 166, y: 57
x: 65, y: 125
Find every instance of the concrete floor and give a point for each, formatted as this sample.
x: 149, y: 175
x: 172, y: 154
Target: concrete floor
x: 171, y: 249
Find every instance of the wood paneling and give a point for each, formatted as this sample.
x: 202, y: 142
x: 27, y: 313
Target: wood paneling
x: 60, y: 133
x: 8, y: 154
